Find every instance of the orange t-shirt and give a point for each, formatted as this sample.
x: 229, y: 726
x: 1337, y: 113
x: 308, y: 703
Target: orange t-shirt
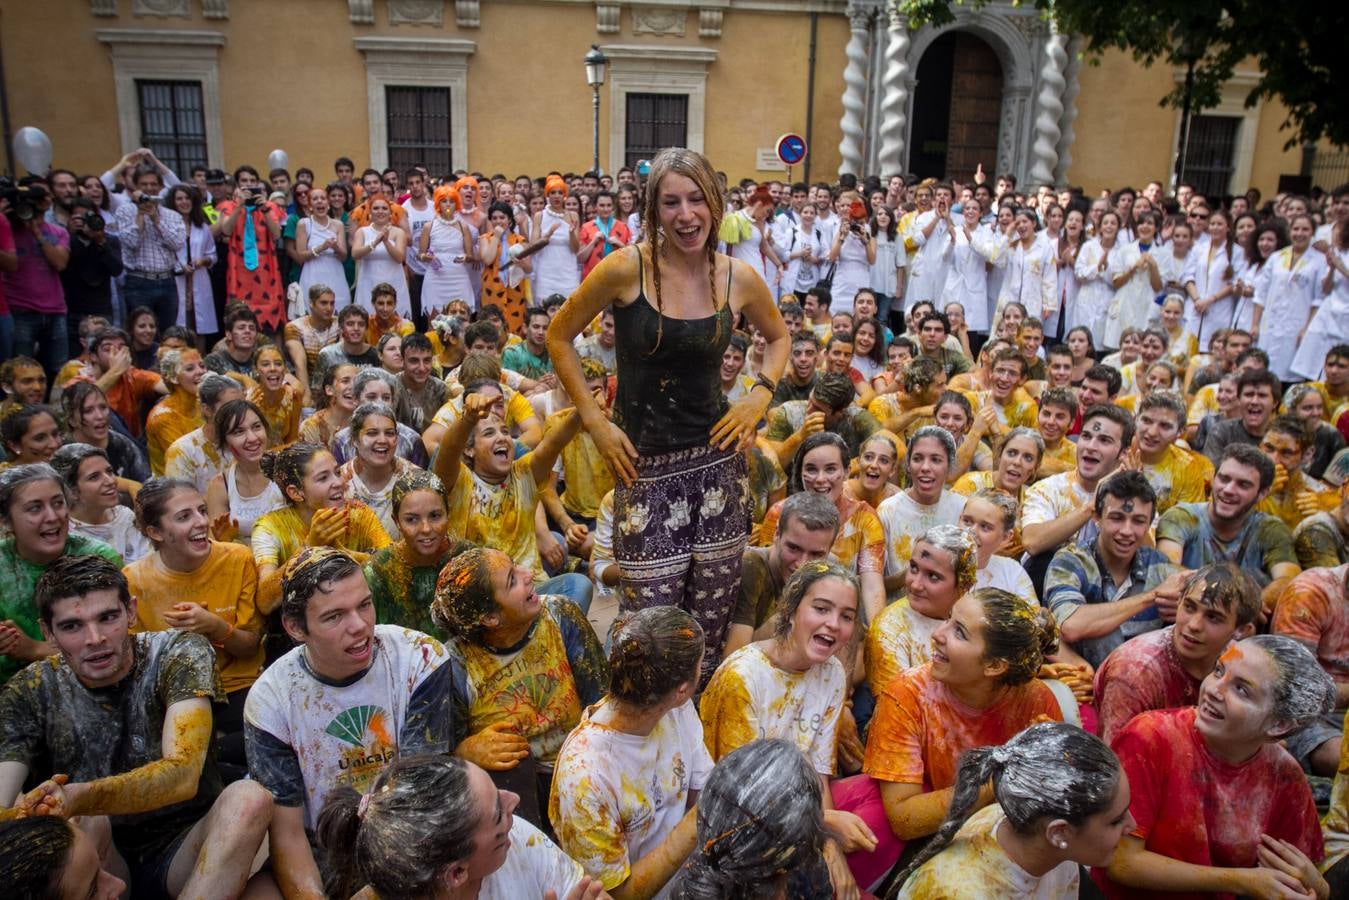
x: 129, y: 394
x: 920, y: 728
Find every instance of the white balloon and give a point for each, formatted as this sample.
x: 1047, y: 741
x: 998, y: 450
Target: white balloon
x: 278, y: 159
x: 33, y: 150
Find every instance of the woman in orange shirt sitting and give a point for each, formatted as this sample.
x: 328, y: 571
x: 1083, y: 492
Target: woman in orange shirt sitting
x: 978, y: 691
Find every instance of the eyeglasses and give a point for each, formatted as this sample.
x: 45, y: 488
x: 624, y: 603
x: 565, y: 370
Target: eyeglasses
x: 1199, y: 215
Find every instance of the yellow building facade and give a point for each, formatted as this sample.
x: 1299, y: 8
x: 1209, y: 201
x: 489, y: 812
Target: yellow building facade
x: 499, y: 86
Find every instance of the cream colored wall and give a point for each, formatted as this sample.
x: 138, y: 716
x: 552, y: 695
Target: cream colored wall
x: 290, y: 77
x: 756, y: 91
x: 1123, y: 135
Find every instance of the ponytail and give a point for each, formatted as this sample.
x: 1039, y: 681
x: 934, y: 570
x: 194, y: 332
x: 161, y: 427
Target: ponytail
x: 976, y: 767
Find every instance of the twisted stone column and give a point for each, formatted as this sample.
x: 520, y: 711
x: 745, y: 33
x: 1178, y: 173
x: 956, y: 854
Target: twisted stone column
x: 1049, y: 109
x: 854, y: 92
x: 895, y: 96
x: 1066, y: 133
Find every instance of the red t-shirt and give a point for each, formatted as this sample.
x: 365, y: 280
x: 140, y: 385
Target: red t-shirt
x: 920, y: 728
x: 1194, y: 807
x: 1141, y: 674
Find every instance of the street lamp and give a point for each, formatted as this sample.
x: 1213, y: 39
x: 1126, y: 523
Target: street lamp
x: 595, y: 63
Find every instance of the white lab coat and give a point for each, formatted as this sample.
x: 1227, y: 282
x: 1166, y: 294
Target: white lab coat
x: 1287, y: 291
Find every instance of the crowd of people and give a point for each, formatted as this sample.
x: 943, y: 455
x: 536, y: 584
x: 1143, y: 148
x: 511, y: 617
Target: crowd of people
x: 966, y: 540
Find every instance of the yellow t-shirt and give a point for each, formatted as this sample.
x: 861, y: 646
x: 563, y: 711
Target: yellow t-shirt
x: 1065, y: 452
x: 585, y: 474
x: 283, y: 417
x: 975, y: 865
x: 500, y: 516
x: 373, y: 332
x: 1180, y: 477
x: 1283, y: 505
x: 899, y: 639
x: 749, y: 698
x: 226, y: 585
x: 1205, y: 401
x: 172, y: 417
x: 1019, y: 410
x: 281, y: 534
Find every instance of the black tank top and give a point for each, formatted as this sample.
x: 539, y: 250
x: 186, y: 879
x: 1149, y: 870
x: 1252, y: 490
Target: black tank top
x: 670, y: 399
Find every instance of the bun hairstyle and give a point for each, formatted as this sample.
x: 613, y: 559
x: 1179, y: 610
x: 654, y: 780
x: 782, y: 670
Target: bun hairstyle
x: 760, y: 817
x: 695, y: 167
x: 418, y: 818
x: 1017, y: 633
x: 464, y: 594
x: 1048, y: 771
x: 287, y: 466
x: 654, y: 651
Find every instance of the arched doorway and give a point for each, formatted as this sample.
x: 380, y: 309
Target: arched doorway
x: 956, y: 108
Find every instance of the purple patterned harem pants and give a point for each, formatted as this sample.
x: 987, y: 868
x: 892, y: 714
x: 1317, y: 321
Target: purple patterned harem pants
x: 679, y: 532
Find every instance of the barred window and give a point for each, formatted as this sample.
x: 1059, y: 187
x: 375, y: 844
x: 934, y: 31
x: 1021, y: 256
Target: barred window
x: 419, y: 128
x: 1212, y: 154
x: 173, y: 123
x: 654, y: 122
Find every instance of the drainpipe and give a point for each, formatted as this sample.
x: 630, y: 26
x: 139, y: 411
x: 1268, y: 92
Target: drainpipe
x: 810, y: 96
x: 4, y: 118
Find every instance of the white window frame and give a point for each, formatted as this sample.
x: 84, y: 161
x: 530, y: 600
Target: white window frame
x: 1231, y: 104
x: 145, y: 54
x: 655, y: 69
x: 416, y: 62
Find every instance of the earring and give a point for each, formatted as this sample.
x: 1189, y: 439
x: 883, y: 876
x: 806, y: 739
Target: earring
x: 1062, y: 845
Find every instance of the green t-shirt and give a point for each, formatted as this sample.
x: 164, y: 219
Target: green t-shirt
x: 18, y: 580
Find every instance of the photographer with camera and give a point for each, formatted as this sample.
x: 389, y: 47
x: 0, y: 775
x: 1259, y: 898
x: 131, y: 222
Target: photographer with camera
x: 152, y: 237
x: 853, y: 251
x: 252, y: 226
x: 95, y: 260
x: 37, y: 302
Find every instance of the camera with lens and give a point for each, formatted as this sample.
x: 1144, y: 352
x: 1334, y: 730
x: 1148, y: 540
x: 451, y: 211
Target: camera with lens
x: 25, y: 203
x: 94, y: 222
x: 147, y: 200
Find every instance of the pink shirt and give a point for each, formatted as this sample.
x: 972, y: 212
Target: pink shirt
x: 36, y: 286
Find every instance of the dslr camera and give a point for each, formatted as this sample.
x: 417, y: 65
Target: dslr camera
x: 25, y: 203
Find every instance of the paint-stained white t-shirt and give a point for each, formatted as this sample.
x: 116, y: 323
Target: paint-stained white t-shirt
x: 617, y: 796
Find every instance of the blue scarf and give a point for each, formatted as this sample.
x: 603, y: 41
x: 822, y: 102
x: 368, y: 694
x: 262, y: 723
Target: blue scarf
x: 604, y: 229
x: 250, y: 240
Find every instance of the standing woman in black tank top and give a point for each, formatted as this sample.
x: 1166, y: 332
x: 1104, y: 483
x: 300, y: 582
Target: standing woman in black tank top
x: 681, y: 507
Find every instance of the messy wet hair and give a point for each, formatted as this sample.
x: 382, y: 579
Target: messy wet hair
x: 417, y: 819
x: 760, y: 817
x: 1017, y: 633
x: 1048, y: 771
x: 654, y: 651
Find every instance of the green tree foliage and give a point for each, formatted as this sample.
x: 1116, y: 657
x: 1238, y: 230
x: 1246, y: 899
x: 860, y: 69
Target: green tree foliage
x: 1300, y: 47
